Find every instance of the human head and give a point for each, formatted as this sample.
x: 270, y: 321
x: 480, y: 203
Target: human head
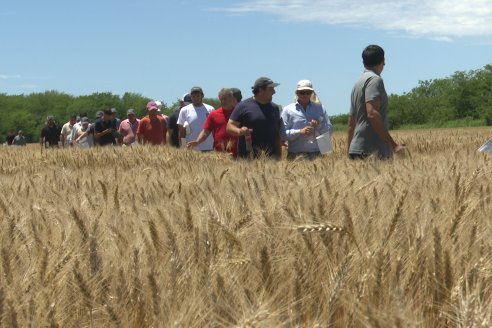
x: 152, y: 108
x: 20, y: 132
x: 304, y: 91
x: 236, y: 93
x: 196, y: 96
x: 186, y: 100
x: 226, y: 98
x: 73, y: 118
x: 107, y: 114
x: 373, y: 55
x: 264, y: 89
x: 84, y: 121
x: 114, y: 112
x: 99, y: 114
x: 262, y: 83
x: 50, y: 120
x: 130, y: 113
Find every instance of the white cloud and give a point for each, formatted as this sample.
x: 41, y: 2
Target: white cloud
x: 9, y: 77
x: 435, y: 19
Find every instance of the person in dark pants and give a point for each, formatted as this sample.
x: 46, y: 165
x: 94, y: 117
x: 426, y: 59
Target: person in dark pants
x: 50, y: 134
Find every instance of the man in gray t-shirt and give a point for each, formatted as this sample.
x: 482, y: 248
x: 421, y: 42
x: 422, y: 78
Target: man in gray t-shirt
x: 368, y: 119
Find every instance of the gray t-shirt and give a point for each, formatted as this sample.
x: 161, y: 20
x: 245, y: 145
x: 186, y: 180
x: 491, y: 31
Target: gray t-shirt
x: 369, y: 87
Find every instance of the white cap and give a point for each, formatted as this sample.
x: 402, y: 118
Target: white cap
x: 304, y: 85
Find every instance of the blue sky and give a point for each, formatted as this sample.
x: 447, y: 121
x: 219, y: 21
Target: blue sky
x: 162, y: 48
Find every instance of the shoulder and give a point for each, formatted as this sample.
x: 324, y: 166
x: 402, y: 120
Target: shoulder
x: 209, y: 107
x: 289, y: 108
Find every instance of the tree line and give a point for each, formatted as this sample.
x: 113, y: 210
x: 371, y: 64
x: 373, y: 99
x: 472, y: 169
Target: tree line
x: 464, y: 98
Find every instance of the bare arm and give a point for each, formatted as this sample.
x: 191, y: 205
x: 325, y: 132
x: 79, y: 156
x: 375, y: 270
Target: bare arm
x: 234, y: 128
x: 201, y: 138
x: 374, y: 116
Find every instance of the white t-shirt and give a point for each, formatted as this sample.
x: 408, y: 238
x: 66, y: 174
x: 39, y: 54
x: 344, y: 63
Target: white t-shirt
x: 67, y: 132
x: 195, y: 117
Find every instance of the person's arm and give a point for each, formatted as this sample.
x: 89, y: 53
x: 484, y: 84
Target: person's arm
x: 351, y: 129
x: 62, y: 138
x: 234, y: 128
x: 374, y: 117
x: 201, y: 138
x: 164, y: 129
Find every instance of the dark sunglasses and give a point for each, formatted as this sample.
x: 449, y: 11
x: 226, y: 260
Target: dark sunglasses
x: 305, y: 92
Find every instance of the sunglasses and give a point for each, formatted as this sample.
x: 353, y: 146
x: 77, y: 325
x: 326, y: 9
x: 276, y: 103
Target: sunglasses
x: 305, y: 92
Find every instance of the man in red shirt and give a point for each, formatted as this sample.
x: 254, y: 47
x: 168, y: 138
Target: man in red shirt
x: 153, y: 127
x: 216, y: 122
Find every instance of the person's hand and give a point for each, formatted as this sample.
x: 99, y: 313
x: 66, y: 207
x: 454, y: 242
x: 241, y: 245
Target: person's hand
x: 307, y: 130
x: 399, y: 150
x: 110, y: 130
x: 192, y: 144
x: 244, y: 131
x: 314, y: 123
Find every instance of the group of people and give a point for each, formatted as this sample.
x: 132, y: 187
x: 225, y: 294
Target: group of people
x: 252, y: 127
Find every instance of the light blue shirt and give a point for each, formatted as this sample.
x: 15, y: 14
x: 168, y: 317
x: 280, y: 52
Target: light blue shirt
x: 296, y: 118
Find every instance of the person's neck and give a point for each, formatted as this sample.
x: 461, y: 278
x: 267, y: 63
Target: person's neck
x: 198, y: 104
x: 261, y: 100
x: 304, y: 105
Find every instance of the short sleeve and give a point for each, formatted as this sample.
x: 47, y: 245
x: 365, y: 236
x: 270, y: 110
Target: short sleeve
x: 182, y: 116
x: 373, y: 89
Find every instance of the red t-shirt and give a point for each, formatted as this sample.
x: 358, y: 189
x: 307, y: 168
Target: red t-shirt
x: 153, y: 131
x: 217, y: 121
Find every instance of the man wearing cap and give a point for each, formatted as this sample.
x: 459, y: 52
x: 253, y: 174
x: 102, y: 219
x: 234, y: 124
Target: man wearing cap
x: 19, y: 139
x: 368, y: 121
x: 128, y: 129
x: 257, y: 122
x: 105, y: 129
x: 50, y: 134
x: 83, y: 136
x: 192, y: 117
x: 172, y: 122
x: 66, y: 131
x: 216, y: 122
x: 153, y: 127
x: 304, y: 120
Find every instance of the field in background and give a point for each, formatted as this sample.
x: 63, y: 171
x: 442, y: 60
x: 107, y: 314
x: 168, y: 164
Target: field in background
x: 157, y: 237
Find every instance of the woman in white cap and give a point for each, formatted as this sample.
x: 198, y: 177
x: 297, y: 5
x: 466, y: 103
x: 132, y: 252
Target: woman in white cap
x: 304, y: 120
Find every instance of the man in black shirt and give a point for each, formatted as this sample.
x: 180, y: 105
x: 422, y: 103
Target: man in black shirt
x: 257, y: 122
x: 105, y: 129
x: 172, y: 122
x: 50, y: 134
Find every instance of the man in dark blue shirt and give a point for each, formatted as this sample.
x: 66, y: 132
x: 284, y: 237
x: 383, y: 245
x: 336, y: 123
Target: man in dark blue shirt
x: 257, y: 123
x: 105, y: 129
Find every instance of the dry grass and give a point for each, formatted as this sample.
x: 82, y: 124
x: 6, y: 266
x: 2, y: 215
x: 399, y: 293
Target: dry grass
x: 156, y: 237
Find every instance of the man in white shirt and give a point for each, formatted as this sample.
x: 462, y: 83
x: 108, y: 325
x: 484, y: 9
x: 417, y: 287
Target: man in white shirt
x: 66, y: 131
x: 192, y: 117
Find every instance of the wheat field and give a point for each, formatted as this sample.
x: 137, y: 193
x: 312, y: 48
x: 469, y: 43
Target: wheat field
x: 159, y: 237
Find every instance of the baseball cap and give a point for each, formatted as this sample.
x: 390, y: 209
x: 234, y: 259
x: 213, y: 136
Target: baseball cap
x: 304, y: 85
x: 99, y: 114
x: 152, y: 105
x: 236, y: 93
x: 264, y: 82
x: 113, y: 110
x: 196, y: 89
x: 130, y: 111
x: 187, y: 99
x: 84, y: 119
x: 50, y: 117
x: 108, y: 111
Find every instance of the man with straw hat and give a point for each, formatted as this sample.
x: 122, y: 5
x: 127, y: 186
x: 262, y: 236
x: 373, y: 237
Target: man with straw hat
x: 304, y: 120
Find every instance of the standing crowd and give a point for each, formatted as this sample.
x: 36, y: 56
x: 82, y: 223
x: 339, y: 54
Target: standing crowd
x: 247, y: 128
